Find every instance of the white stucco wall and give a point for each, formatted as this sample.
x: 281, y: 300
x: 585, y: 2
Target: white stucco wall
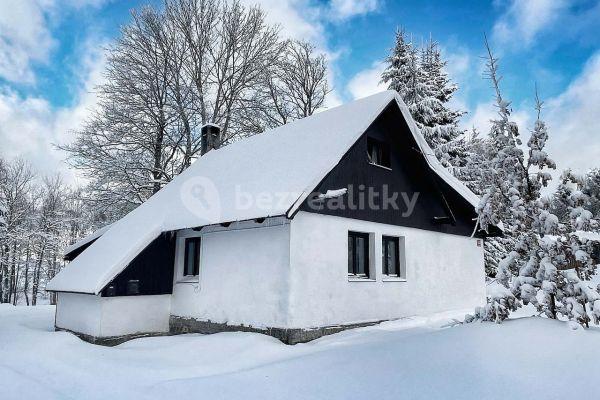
x: 80, y: 313
x: 244, y: 277
x: 443, y: 272
x: 293, y: 275
x: 113, y: 316
x: 135, y: 314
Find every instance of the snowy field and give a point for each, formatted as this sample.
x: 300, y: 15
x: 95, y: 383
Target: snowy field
x: 417, y: 358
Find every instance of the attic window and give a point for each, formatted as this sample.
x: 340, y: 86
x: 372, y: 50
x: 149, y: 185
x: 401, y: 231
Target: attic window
x: 378, y: 153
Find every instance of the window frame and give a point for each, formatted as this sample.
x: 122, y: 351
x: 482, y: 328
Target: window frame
x: 353, y: 237
x: 400, y: 258
x: 383, y: 153
x: 385, y: 240
x: 196, y: 267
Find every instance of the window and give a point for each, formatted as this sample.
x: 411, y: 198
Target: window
x: 378, y: 153
x: 358, y: 254
x: 191, y: 265
x: 392, y: 253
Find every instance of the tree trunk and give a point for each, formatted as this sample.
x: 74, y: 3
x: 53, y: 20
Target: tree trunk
x: 586, y: 322
x: 26, y: 283
x: 52, y: 275
x: 158, y: 147
x: 36, y: 276
x: 187, y: 156
x: 552, y: 306
x: 13, y: 262
x: 16, y: 283
x: 4, y: 276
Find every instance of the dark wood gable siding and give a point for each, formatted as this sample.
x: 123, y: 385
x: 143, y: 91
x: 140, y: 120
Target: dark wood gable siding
x: 71, y: 256
x: 152, y: 267
x: 409, y: 173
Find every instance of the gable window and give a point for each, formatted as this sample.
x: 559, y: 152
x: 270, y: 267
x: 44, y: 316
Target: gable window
x: 191, y: 265
x: 392, y: 253
x: 378, y: 153
x: 358, y: 255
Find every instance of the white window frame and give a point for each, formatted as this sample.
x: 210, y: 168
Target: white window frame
x: 180, y: 257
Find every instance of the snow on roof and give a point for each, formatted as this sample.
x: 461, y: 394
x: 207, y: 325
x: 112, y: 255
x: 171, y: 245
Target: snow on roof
x: 265, y: 175
x: 85, y: 240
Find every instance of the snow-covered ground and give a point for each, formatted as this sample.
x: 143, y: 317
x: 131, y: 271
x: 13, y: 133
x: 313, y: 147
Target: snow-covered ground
x: 416, y: 358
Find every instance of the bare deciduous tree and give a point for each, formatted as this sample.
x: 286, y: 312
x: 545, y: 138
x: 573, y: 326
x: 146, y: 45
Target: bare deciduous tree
x: 297, y: 87
x: 170, y: 72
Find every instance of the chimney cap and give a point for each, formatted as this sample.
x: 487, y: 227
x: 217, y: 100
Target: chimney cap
x: 211, y: 125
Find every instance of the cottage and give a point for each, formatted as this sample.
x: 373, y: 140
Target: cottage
x: 338, y: 220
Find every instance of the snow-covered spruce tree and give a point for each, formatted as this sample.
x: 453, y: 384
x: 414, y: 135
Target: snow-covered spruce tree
x: 589, y: 186
x: 472, y: 174
x: 400, y: 73
x: 439, y: 121
x: 548, y: 263
x: 418, y: 76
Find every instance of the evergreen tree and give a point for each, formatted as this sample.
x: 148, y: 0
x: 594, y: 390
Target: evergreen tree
x: 419, y: 77
x: 400, y: 74
x: 549, y: 262
x: 439, y: 122
x: 588, y: 184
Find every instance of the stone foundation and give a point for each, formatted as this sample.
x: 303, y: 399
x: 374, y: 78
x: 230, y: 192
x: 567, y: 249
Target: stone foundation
x: 180, y: 325
x: 110, y: 340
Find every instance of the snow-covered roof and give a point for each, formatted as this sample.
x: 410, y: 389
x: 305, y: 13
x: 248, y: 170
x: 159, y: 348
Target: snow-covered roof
x: 265, y: 175
x: 87, y: 239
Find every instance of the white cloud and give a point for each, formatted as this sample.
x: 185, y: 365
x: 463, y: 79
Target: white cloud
x: 24, y: 39
x: 298, y: 19
x: 458, y: 63
x: 30, y: 126
x: 525, y: 19
x: 573, y: 120
x: 344, y: 9
x: 25, y: 36
x: 367, y: 81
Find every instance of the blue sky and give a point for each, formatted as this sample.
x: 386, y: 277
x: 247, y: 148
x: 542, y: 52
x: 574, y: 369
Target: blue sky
x: 51, y: 58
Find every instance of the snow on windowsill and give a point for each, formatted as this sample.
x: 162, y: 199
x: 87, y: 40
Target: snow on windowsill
x: 358, y: 279
x: 393, y: 279
x: 188, y: 280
